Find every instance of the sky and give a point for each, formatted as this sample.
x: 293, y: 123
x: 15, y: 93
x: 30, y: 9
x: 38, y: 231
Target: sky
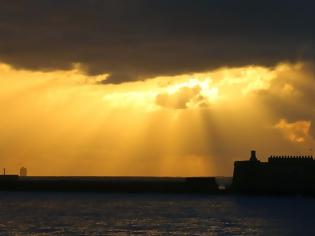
x: 159, y: 88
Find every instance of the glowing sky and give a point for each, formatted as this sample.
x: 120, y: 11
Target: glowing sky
x: 166, y: 88
x: 67, y: 123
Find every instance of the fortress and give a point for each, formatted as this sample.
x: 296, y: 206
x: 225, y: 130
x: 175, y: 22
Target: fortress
x: 280, y: 175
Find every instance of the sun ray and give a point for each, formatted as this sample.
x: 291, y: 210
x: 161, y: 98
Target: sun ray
x: 180, y: 124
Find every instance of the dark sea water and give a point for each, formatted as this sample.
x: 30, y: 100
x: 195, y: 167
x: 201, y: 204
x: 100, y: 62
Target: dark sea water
x: 135, y: 214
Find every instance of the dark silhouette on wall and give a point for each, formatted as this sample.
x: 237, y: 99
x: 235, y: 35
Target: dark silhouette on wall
x: 23, y: 171
x: 280, y: 175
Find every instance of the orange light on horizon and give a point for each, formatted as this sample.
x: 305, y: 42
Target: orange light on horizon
x: 66, y: 123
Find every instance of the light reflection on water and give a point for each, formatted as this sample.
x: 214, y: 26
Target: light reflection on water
x: 121, y: 214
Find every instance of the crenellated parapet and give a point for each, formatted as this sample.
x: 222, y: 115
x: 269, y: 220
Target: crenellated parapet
x: 290, y: 158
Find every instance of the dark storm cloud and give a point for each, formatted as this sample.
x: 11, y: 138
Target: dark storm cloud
x: 133, y: 39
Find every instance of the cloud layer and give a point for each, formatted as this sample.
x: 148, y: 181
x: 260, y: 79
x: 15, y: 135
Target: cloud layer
x: 135, y: 39
x: 195, y: 124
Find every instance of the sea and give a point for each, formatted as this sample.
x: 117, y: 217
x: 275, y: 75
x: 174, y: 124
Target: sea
x: 48, y: 213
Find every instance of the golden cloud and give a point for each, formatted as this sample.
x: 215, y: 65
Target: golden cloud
x: 295, y: 131
x: 67, y: 119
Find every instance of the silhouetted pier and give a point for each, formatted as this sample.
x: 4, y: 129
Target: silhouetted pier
x: 200, y: 185
x: 279, y: 175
